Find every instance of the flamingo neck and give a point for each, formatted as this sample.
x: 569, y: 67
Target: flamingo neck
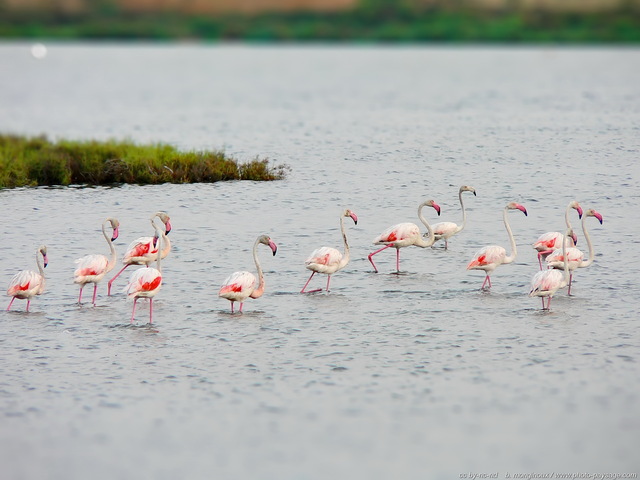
x: 113, y: 259
x: 464, y: 214
x: 566, y: 275
x: 568, y: 222
x: 514, y: 251
x: 40, y: 263
x: 259, y: 290
x: 587, y: 238
x: 431, y: 238
x: 345, y: 257
x: 165, y: 238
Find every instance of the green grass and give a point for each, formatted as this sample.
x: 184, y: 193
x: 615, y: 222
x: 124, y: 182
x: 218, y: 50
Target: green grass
x: 36, y: 161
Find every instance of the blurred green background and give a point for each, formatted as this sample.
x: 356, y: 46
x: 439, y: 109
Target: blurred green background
x: 566, y: 21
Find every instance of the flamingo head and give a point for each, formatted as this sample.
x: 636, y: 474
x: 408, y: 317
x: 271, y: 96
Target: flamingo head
x: 516, y: 206
x: 266, y: 240
x: 432, y: 203
x: 592, y: 213
x: 43, y: 251
x: 571, y: 234
x: 574, y: 237
x: 164, y: 217
x: 349, y: 213
x: 466, y: 188
x: 115, y: 224
x: 576, y: 206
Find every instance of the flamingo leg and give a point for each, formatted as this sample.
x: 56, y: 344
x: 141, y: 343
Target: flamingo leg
x: 487, y: 280
x: 95, y: 291
x: 133, y: 312
x: 305, y: 285
x: 398, y: 260
x: 241, y: 304
x: 446, y: 244
x: 116, y: 276
x: 231, y: 305
x: 549, y: 303
x: 80, y: 296
x: 570, y: 280
x: 542, y: 255
x: 328, y: 280
x: 10, y: 303
x: 542, y: 298
x: 150, y: 310
x: 377, y: 251
x: 28, y: 303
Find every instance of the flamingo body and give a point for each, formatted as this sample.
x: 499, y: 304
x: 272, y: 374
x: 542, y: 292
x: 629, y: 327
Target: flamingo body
x: 546, y: 283
x: 26, y: 284
x: 241, y: 285
x: 550, y: 241
x: 446, y: 230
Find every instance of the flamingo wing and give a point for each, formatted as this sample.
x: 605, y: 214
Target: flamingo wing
x: 26, y: 283
x: 574, y: 258
x: 91, y: 268
x: 238, y: 286
x: 487, y: 258
x: 144, y: 282
x: 548, y: 241
x: 324, y: 257
x: 546, y: 282
x: 397, y: 233
x: 444, y: 229
x: 141, y: 250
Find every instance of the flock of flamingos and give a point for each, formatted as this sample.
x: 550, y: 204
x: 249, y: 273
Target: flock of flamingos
x: 558, y: 250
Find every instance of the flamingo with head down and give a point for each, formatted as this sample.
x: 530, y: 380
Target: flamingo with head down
x: 405, y: 235
x: 446, y: 230
x: 575, y: 256
x: 93, y: 268
x: 550, y: 241
x: 143, y: 250
x: 491, y: 257
x: 328, y: 260
x: 26, y: 284
x: 239, y: 286
x: 546, y: 283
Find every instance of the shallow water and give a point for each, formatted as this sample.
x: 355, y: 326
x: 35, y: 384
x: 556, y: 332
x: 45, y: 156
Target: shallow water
x: 416, y: 375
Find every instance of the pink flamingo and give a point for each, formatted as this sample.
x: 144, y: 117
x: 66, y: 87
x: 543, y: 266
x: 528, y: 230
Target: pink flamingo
x: 329, y: 260
x: 446, y: 230
x: 550, y: 241
x: 27, y: 283
x: 146, y: 282
x: 93, y: 268
x: 242, y: 285
x: 546, y: 283
x: 573, y: 255
x: 142, y: 250
x: 404, y: 235
x: 491, y: 257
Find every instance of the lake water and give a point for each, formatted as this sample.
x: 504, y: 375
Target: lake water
x: 413, y: 376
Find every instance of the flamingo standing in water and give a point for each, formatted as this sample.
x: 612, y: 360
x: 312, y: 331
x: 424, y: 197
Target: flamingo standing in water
x: 329, y: 260
x: 575, y: 256
x: 27, y: 283
x: 446, y: 230
x: 242, y: 285
x: 142, y: 251
x: 491, y: 257
x: 146, y: 282
x: 93, y: 268
x: 550, y: 241
x: 546, y: 283
x: 404, y: 235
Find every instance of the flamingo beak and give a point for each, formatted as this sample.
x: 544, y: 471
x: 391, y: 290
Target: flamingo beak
x: 115, y: 234
x: 167, y: 227
x: 354, y: 217
x: 523, y: 210
x: 46, y: 261
x: 598, y: 216
x: 437, y: 208
x: 274, y: 247
x: 579, y: 209
x: 575, y: 239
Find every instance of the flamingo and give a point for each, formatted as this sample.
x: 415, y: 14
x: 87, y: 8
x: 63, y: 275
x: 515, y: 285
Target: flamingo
x: 446, y: 230
x: 142, y: 250
x: 93, y: 268
x: 241, y: 285
x: 146, y: 282
x: 27, y: 283
x: 404, y: 235
x: 550, y: 241
x: 329, y: 260
x: 573, y: 254
x: 546, y: 283
x: 490, y: 257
